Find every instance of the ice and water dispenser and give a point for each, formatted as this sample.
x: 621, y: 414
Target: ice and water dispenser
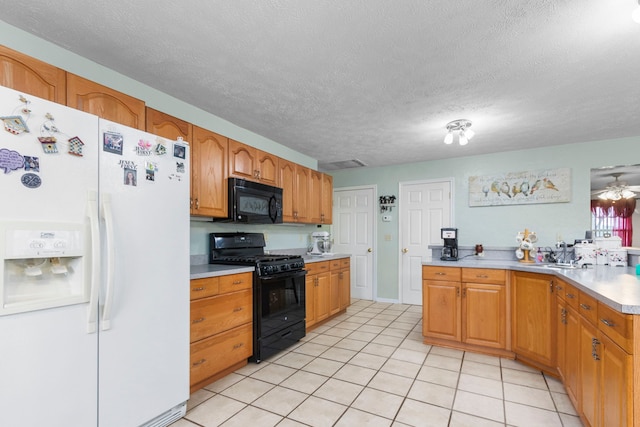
x: 43, y: 266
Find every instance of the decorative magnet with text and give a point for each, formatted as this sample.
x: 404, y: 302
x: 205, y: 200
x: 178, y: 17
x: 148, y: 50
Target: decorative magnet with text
x: 10, y: 160
x: 31, y: 180
x: 143, y: 148
x: 112, y: 142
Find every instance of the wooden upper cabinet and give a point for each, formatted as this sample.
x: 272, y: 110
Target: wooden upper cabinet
x: 243, y: 162
x: 327, y: 199
x: 268, y: 168
x: 286, y: 179
x: 166, y: 126
x: 91, y: 97
x: 208, y: 173
x: 31, y: 76
x: 301, y: 199
x: 315, y: 197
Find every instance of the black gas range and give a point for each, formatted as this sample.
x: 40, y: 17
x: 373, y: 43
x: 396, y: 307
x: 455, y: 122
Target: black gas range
x: 278, y: 289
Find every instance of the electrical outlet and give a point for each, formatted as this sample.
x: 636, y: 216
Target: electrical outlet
x: 387, y: 237
x: 386, y: 218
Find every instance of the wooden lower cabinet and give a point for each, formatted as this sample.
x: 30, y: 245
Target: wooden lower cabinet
x: 221, y: 326
x: 327, y: 290
x: 465, y: 308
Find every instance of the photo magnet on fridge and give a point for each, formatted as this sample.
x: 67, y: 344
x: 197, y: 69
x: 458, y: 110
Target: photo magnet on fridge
x: 112, y: 143
x: 179, y: 151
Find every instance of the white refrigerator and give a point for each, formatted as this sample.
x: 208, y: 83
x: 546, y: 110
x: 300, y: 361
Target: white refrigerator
x: 94, y: 270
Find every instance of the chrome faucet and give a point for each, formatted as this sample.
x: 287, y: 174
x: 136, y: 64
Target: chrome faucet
x: 562, y: 244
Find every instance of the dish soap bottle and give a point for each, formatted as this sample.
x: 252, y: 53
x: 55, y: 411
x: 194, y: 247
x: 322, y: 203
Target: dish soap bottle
x: 539, y: 256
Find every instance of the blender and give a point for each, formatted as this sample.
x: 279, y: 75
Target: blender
x: 321, y: 243
x: 450, y: 248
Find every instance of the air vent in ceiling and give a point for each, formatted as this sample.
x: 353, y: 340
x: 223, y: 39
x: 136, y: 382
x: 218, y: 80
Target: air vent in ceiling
x: 345, y: 164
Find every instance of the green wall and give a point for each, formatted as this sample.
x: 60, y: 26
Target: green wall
x: 494, y: 226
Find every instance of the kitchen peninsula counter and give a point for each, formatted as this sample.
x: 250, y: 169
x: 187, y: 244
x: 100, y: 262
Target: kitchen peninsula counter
x: 617, y: 287
x: 318, y: 258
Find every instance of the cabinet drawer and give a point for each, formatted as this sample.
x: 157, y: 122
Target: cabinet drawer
x: 236, y: 282
x: 448, y: 274
x: 588, y: 307
x: 317, y: 267
x: 212, y: 315
x: 572, y: 296
x: 617, y: 326
x: 338, y: 264
x: 484, y: 275
x: 214, y: 354
x: 202, y: 288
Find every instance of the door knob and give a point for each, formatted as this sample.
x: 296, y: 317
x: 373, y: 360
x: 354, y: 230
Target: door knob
x: 405, y: 250
x: 369, y: 250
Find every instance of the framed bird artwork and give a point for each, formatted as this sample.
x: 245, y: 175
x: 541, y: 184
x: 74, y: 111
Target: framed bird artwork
x: 519, y: 188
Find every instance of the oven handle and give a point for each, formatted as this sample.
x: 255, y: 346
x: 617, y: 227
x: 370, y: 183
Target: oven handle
x: 273, y: 209
x: 287, y: 274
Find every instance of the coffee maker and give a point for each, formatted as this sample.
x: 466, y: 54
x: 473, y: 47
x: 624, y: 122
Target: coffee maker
x: 450, y: 248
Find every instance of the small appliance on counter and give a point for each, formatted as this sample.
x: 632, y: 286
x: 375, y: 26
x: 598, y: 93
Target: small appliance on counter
x: 321, y: 243
x: 450, y: 248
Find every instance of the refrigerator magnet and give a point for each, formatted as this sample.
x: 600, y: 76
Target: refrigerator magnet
x: 31, y: 180
x: 48, y: 144
x: 143, y: 148
x: 130, y: 177
x: 10, y: 160
x: 180, y: 167
x: 179, y: 151
x: 112, y: 142
x: 150, y: 171
x: 161, y: 148
x: 31, y: 164
x: 14, y: 124
x: 75, y: 146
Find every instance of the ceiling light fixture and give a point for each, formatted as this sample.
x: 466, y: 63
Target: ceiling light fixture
x: 462, y: 127
x: 617, y: 190
x: 636, y: 14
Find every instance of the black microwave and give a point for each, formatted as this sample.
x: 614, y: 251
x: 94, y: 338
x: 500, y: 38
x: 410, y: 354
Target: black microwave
x: 254, y: 203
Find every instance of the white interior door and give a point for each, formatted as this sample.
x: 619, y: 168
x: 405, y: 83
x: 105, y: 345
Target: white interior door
x: 353, y: 232
x: 425, y: 207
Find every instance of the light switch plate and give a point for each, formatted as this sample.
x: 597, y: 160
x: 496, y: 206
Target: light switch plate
x: 386, y: 218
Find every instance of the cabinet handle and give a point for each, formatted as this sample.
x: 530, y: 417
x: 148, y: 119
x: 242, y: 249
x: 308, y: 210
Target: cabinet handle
x: 441, y: 274
x: 572, y: 296
x: 322, y: 218
x: 197, y: 203
x: 482, y: 276
x: 464, y: 292
x: 237, y: 282
x: 594, y: 348
x: 609, y: 323
x: 191, y: 202
x: 457, y: 291
x: 237, y: 309
x: 563, y: 316
x: 237, y: 346
x: 193, y: 322
x: 201, y: 288
x: 585, y: 306
x: 199, y: 362
x: 551, y: 286
x: 559, y: 288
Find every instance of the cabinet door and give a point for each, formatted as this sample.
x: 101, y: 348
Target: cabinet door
x: 533, y: 307
x: 301, y: 198
x: 208, y: 173
x: 572, y: 356
x: 31, y: 76
x: 589, y: 358
x: 327, y: 199
x: 561, y: 335
x: 334, y: 292
x: 242, y: 161
x: 91, y: 97
x: 286, y: 178
x: 484, y: 318
x: 441, y: 310
x: 345, y: 288
x: 315, y: 197
x: 267, y: 168
x: 310, y: 299
x: 166, y: 126
x: 616, y: 391
x: 322, y: 296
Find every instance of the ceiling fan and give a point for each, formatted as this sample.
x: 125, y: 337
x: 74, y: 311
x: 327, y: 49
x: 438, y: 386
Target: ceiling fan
x: 617, y: 189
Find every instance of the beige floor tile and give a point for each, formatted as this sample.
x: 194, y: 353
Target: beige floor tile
x: 280, y: 400
x: 400, y: 367
x: 432, y: 393
x: 273, y: 373
x: 482, y: 358
x: 442, y: 362
x: 411, y: 356
x: 458, y: 419
x: 570, y: 420
x: 247, y: 390
x: 529, y: 379
x: 253, y: 416
x: 514, y: 364
x: 391, y: 383
x: 250, y: 368
x: 338, y: 354
x: 414, y: 345
x: 322, y: 366
x: 378, y: 402
x: 353, y: 418
x: 528, y: 416
x: 448, y: 352
x: 384, y: 316
x: 183, y: 422
x: 528, y: 396
x: 371, y: 329
x: 215, y: 411
x: 414, y: 413
x: 290, y: 423
x: 311, y: 349
x: 379, y: 322
x: 338, y: 332
x: 348, y: 325
x: 368, y: 360
x: 318, y: 412
x: 481, y: 370
x: 358, y: 319
x: 355, y: 374
x: 401, y: 326
x: 563, y: 403
x: 554, y: 384
x: 480, y: 385
x: 379, y: 349
x: 362, y: 336
x: 339, y: 391
x: 351, y: 344
x: 479, y: 405
x: 438, y: 376
x: 385, y: 339
x: 390, y: 332
x: 198, y: 397
x: 225, y: 382
x: 294, y: 360
x: 305, y: 382
x: 327, y: 340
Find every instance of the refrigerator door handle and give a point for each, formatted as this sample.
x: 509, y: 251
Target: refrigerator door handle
x: 92, y: 309
x: 108, y: 300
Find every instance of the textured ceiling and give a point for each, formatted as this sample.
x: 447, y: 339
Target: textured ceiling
x: 374, y: 80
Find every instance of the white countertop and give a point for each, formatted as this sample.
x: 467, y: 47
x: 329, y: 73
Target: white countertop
x: 618, y: 287
x: 317, y: 258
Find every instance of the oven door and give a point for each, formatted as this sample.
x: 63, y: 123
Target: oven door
x: 281, y: 301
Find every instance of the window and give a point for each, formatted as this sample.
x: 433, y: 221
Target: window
x: 609, y: 217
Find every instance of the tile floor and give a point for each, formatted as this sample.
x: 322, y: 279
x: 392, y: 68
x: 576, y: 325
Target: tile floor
x: 369, y: 367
